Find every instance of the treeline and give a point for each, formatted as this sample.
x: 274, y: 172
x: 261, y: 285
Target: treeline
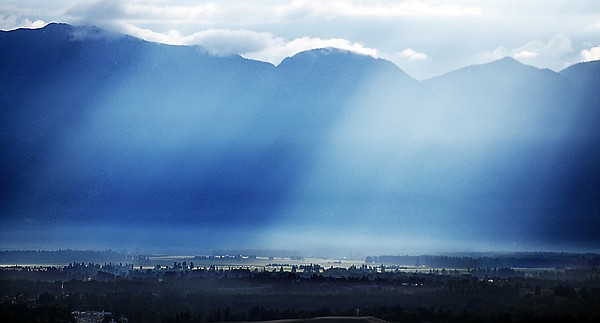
x: 62, y: 256
x: 285, y: 296
x: 516, y: 260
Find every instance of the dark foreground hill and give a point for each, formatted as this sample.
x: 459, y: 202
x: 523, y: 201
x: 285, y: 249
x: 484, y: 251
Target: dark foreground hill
x: 108, y: 140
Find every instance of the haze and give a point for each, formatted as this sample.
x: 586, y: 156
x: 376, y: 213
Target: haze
x: 109, y: 141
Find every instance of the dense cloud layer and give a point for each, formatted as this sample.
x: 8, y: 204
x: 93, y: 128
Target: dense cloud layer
x: 451, y: 34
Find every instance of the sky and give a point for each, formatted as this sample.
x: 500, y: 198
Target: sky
x: 425, y: 38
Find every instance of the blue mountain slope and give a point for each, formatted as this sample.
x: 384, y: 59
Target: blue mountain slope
x: 587, y: 78
x: 87, y: 108
x: 537, y: 123
x: 585, y: 75
x: 109, y: 140
x: 509, y: 88
x: 106, y: 128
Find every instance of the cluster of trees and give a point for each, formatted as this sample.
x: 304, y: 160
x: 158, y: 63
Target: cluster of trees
x: 406, y: 297
x: 512, y: 260
x: 42, y: 313
x: 62, y: 256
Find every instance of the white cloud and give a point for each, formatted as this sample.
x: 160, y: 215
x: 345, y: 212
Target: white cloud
x: 488, y: 56
x: 281, y: 49
x: 208, y: 13
x: 262, y: 46
x: 525, y: 54
x: 592, y: 54
x: 172, y: 37
x: 96, y: 12
x: 411, y: 8
x: 171, y: 13
x: 13, y: 22
x: 552, y: 53
x: 222, y: 42
x: 412, y: 55
x: 37, y: 24
x: 140, y: 13
x: 557, y: 46
x: 459, y: 32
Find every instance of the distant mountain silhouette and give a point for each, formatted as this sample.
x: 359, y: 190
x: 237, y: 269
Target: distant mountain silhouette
x: 342, y: 69
x: 587, y: 78
x: 517, y: 99
x: 585, y: 75
x: 99, y: 128
x: 539, y: 120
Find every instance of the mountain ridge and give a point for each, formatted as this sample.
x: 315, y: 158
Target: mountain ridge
x: 101, y: 134
x: 73, y: 32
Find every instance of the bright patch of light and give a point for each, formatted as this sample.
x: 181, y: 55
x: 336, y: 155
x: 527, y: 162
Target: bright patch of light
x: 592, y: 54
x: 25, y: 23
x: 526, y: 54
x: 412, y: 55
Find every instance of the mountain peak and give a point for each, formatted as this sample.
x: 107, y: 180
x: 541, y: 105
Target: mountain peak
x: 58, y: 25
x: 507, y: 60
x: 326, y: 53
x: 507, y: 67
x: 330, y: 51
x: 504, y: 63
x: 339, y: 63
x: 54, y: 28
x: 55, y: 31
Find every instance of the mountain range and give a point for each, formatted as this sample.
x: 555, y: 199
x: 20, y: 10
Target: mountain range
x: 111, y: 141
